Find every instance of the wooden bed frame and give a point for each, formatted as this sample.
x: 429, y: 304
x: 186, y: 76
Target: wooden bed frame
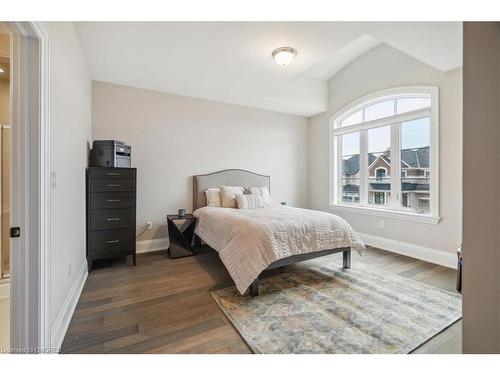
x: 241, y: 177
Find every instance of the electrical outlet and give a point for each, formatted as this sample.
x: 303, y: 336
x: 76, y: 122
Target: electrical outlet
x: 381, y: 224
x: 149, y: 225
x: 69, y: 268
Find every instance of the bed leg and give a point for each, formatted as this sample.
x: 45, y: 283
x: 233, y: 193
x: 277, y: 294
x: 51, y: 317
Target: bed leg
x: 346, y: 256
x: 254, y: 288
x: 196, y: 243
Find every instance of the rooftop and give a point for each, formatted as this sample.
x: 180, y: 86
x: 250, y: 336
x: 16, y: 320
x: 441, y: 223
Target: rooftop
x: 410, y: 158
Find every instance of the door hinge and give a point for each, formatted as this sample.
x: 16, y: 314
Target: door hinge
x: 15, y: 232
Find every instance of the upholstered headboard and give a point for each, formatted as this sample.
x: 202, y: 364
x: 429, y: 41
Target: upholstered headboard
x: 230, y: 177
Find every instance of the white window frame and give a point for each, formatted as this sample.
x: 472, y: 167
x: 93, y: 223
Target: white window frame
x: 394, y: 121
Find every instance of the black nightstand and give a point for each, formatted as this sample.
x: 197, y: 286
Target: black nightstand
x: 181, y: 236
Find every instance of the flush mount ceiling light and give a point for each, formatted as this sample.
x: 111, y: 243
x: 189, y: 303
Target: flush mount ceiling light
x: 284, y: 55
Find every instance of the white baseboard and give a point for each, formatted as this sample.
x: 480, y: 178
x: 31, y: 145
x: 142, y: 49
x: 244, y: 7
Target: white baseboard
x: 443, y: 258
x: 61, y: 324
x: 146, y: 246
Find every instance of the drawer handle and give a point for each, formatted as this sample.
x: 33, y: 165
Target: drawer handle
x: 113, y: 241
x: 113, y: 185
x: 113, y: 200
x: 113, y: 173
x: 113, y: 218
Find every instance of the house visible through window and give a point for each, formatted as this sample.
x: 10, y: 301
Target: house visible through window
x: 379, y: 197
x: 405, y: 199
x: 380, y: 174
x: 382, y: 149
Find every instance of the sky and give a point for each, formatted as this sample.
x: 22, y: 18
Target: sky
x: 414, y: 134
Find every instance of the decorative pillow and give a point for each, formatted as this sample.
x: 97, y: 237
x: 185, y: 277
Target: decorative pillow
x: 250, y: 201
x: 263, y: 191
x: 228, y: 195
x: 213, y: 197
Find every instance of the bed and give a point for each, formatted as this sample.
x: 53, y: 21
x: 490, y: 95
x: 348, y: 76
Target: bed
x: 250, y: 242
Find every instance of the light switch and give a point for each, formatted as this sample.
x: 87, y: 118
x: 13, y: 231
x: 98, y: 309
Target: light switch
x: 53, y: 182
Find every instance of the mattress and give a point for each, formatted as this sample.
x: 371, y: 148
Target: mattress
x: 248, y: 241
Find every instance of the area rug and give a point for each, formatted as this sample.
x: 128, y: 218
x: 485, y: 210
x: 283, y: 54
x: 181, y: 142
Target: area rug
x: 331, y: 310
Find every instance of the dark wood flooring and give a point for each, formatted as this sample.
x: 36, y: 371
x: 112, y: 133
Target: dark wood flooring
x: 164, y: 306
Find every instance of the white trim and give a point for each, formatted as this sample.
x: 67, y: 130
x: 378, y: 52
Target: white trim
x: 434, y: 157
x: 44, y: 223
x: 363, y: 169
x: 147, y: 246
x: 443, y: 258
x: 334, y: 153
x: 381, y: 212
x: 395, y: 165
x: 62, y: 321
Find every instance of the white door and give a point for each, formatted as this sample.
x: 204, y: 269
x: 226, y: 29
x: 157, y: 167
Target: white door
x: 30, y: 328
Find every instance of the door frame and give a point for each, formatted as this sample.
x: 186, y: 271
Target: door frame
x: 30, y: 188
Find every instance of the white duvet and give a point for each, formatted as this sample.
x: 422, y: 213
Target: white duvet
x: 250, y: 240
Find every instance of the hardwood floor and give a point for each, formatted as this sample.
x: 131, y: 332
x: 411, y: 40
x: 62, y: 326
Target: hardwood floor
x: 164, y: 306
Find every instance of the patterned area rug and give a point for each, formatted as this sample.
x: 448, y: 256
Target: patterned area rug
x: 330, y: 310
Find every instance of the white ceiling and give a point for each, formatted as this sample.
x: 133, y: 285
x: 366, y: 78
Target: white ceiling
x: 231, y: 61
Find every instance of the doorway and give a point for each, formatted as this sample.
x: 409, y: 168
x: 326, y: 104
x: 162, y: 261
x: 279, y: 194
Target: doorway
x: 26, y: 169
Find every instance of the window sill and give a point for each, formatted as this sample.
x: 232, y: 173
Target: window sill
x: 409, y: 216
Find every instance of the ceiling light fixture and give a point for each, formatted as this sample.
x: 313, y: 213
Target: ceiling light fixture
x: 284, y: 55
x: 2, y: 71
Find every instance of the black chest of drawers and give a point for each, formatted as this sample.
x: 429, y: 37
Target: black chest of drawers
x: 111, y: 213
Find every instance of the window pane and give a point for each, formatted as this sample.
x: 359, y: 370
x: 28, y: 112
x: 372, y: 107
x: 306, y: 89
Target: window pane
x: 415, y: 165
x: 379, y: 110
x: 349, y: 178
x: 355, y: 118
x: 379, y: 166
x: 412, y: 104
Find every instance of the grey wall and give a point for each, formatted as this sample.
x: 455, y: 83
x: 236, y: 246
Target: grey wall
x: 481, y: 188
x: 69, y: 136
x: 381, y: 68
x: 174, y: 137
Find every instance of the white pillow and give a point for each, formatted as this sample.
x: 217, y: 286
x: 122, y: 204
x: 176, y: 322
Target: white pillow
x: 213, y: 197
x: 228, y: 195
x: 250, y: 201
x: 263, y: 191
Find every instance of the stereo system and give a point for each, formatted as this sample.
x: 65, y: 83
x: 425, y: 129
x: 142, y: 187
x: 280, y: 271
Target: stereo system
x: 107, y: 153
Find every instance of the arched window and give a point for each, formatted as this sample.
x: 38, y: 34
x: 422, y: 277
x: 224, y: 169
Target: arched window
x: 380, y: 174
x: 385, y: 144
